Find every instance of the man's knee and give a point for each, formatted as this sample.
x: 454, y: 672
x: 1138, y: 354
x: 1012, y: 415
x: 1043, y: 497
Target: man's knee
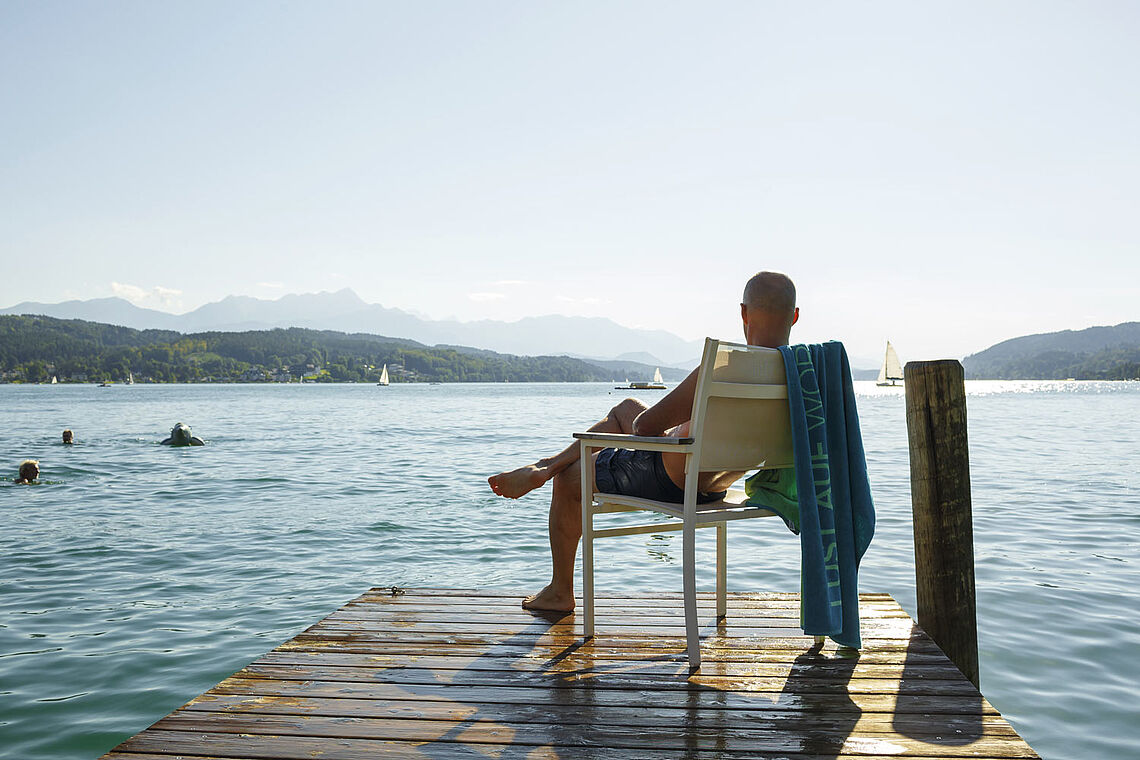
x: 627, y: 410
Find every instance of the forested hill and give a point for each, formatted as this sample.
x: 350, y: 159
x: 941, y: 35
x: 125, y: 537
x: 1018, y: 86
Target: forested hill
x: 1097, y: 353
x: 36, y: 348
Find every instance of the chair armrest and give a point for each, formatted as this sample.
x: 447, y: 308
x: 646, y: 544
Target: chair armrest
x: 624, y: 441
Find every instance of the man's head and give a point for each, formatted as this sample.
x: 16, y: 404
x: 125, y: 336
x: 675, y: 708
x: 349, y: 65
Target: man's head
x: 180, y: 434
x: 769, y: 309
x: 67, y: 437
x: 29, y: 470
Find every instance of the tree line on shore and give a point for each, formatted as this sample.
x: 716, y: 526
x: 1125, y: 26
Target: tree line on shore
x: 1120, y: 363
x: 35, y: 349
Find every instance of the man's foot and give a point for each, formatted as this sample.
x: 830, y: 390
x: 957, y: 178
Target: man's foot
x: 550, y: 599
x: 520, y: 482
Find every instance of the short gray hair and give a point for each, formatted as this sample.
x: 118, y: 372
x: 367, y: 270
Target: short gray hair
x: 772, y: 292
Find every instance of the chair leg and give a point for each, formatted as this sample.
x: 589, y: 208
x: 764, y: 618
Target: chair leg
x: 587, y: 545
x: 721, y: 570
x: 689, y: 562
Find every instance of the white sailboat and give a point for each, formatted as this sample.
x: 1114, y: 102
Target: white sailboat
x: 383, y: 376
x: 54, y: 381
x: 130, y: 378
x: 891, y: 369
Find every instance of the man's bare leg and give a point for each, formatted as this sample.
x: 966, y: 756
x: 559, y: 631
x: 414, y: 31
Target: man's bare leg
x: 565, y: 525
x: 523, y: 480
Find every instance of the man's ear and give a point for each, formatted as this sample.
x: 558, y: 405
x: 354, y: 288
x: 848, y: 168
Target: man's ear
x: 796, y: 315
x: 744, y: 313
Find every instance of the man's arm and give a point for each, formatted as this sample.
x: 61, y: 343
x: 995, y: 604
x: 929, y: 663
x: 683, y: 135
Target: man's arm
x: 675, y: 408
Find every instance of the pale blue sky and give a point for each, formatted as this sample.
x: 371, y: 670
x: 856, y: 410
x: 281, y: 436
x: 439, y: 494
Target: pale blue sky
x: 943, y: 175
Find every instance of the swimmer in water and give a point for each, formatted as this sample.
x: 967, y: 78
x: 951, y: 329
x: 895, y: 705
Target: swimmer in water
x: 180, y: 435
x: 67, y: 437
x: 29, y: 471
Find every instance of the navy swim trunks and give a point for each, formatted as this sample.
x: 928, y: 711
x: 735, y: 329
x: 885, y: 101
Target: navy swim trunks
x: 641, y: 474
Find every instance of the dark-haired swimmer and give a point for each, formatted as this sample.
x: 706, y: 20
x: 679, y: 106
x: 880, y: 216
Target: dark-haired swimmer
x: 67, y: 437
x: 180, y: 435
x: 29, y: 471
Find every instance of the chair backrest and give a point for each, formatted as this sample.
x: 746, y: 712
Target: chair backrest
x: 740, y: 409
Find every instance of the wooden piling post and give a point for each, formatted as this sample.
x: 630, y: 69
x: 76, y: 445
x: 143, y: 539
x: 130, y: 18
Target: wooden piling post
x: 940, y: 500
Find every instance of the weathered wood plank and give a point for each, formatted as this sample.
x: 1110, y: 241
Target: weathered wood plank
x: 918, y: 641
x: 409, y: 675
x: 617, y: 698
x: 857, y: 721
x: 460, y: 595
x: 803, y: 655
x: 583, y: 664
x: 441, y: 673
x: 804, y: 738
x: 876, y: 629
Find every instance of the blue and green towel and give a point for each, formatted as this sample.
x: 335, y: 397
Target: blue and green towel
x: 826, y: 499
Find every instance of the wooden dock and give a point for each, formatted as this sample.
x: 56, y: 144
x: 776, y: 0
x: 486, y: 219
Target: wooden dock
x: 438, y: 673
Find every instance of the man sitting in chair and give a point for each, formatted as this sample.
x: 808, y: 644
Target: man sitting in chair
x: 768, y: 312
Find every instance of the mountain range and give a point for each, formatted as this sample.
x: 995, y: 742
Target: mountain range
x: 345, y: 311
x: 1095, y: 353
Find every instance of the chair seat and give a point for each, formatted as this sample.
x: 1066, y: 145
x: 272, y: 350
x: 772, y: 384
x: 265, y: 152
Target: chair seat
x: 731, y: 507
x: 739, y: 423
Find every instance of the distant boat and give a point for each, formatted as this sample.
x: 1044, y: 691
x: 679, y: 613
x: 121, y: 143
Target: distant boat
x: 130, y: 378
x: 53, y: 380
x: 383, y: 376
x: 657, y: 384
x: 891, y: 369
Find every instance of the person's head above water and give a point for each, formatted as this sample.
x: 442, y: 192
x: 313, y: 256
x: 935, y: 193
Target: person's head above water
x: 180, y: 435
x: 29, y: 471
x: 768, y: 309
x: 67, y: 436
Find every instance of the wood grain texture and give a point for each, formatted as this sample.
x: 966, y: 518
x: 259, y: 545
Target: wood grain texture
x: 943, y: 513
x: 436, y: 673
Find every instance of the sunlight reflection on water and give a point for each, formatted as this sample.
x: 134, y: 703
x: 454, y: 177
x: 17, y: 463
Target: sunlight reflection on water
x: 144, y: 575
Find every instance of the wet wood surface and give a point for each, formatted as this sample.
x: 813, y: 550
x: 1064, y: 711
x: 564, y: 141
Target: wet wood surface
x: 451, y: 673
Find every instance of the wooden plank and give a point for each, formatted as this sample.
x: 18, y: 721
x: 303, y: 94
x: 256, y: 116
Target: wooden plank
x: 155, y: 745
x: 876, y: 629
x: 801, y: 738
x: 578, y: 663
x: 475, y: 597
x: 918, y: 641
x: 760, y: 610
x: 599, y: 651
x: 617, y: 698
x: 471, y: 596
x: 914, y: 724
x: 442, y: 673
x: 413, y: 676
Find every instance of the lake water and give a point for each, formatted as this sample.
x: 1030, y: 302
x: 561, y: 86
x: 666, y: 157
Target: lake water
x: 139, y: 575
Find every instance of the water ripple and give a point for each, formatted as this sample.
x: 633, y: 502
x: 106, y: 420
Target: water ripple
x: 143, y: 575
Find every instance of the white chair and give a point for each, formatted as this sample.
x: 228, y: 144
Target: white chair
x: 739, y: 423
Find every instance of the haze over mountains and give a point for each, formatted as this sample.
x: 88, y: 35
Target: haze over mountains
x: 343, y: 310
x: 1096, y: 352
x: 1101, y: 353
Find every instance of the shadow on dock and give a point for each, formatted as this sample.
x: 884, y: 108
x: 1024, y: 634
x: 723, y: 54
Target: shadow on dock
x: 439, y: 673
x: 965, y: 726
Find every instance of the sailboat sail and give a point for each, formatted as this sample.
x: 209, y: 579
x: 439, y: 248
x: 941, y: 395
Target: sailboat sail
x: 657, y: 376
x: 383, y: 376
x: 891, y: 369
